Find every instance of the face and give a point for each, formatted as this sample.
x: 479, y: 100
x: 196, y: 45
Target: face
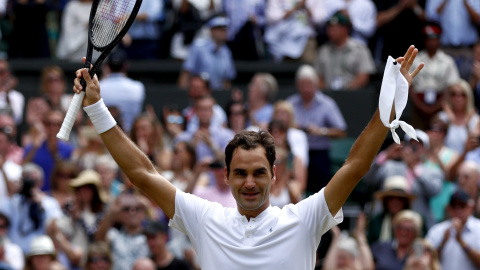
x: 55, y: 87
x: 62, y: 178
x: 282, y: 115
x: 197, y: 88
x: 99, y: 262
x: 460, y: 210
x: 143, y: 129
x: 53, y: 122
x: 250, y: 180
x: 395, y: 204
x: 132, y: 212
x: 41, y: 262
x: 457, y: 97
x: 404, y: 232
x: 204, y: 110
x: 468, y: 179
x: 107, y: 175
x: 85, y: 193
x: 432, y: 44
x: 219, y: 34
x: 255, y: 91
x: 279, y: 135
x: 156, y: 242
x: 337, y: 33
x: 237, y: 117
x: 437, y: 134
x: 306, y: 88
x: 345, y: 260
x: 416, y: 147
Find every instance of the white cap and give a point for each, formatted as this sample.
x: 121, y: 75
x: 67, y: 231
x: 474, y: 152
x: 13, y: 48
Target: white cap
x: 42, y: 245
x: 421, y: 136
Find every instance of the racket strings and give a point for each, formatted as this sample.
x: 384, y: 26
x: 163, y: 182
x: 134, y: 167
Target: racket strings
x: 109, y: 20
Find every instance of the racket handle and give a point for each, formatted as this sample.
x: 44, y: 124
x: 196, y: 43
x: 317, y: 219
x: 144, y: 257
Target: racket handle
x: 69, y: 120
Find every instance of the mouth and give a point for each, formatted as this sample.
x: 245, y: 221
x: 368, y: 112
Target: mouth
x: 250, y: 195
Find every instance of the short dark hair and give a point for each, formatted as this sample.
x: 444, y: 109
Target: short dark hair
x: 249, y: 140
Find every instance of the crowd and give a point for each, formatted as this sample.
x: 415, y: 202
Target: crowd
x: 67, y: 205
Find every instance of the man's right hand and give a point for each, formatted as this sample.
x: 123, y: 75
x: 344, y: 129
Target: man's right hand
x: 92, y: 93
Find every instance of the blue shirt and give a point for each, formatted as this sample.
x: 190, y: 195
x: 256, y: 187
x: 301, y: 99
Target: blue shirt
x: 322, y: 112
x: 239, y: 12
x: 44, y: 158
x: 204, y: 56
x: 148, y: 29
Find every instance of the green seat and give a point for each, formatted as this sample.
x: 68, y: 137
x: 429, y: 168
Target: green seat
x: 340, y: 148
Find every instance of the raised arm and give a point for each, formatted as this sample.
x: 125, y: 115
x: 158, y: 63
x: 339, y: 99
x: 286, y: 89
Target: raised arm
x: 133, y: 162
x: 365, y: 148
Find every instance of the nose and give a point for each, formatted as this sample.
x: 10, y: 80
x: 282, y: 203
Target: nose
x: 249, y: 182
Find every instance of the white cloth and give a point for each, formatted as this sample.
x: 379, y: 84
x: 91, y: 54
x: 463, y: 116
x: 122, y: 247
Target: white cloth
x: 14, y: 174
x: 16, y: 103
x: 394, y: 88
x: 276, y: 239
x: 298, y: 141
x: 14, y: 255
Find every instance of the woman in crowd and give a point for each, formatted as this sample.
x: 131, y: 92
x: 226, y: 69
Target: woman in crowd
x: 63, y: 172
x: 53, y: 86
x: 108, y: 169
x: 237, y: 116
x: 423, y: 257
x: 42, y: 255
x: 99, y: 257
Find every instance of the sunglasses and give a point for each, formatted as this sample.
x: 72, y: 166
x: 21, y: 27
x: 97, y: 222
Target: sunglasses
x: 96, y: 259
x: 131, y: 208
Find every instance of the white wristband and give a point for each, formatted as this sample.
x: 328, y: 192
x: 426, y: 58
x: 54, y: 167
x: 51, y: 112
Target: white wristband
x: 101, y: 118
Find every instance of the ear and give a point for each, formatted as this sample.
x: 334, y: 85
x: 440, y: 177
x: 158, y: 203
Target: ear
x: 227, y: 182
x: 274, y: 176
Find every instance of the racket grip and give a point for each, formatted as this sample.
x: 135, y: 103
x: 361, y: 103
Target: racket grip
x: 69, y: 120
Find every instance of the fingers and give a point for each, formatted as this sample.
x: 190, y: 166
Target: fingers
x: 400, y: 59
x: 407, y: 56
x: 417, y: 70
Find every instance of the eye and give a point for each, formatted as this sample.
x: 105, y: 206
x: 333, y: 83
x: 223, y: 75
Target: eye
x: 240, y: 173
x: 261, y: 173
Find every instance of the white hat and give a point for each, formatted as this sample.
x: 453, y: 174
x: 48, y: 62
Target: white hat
x: 348, y: 244
x: 396, y: 186
x: 421, y: 136
x: 42, y: 245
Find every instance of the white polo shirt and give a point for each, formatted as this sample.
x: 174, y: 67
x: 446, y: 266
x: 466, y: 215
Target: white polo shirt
x: 276, y: 239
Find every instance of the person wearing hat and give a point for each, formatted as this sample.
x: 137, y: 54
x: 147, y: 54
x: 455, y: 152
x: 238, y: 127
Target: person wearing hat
x: 457, y: 240
x: 211, y: 56
x: 120, y: 91
x: 428, y: 91
x: 424, y: 177
x: 42, y: 254
x: 343, y: 62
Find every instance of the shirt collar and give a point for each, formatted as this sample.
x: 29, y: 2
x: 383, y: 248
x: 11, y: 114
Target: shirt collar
x: 262, y: 215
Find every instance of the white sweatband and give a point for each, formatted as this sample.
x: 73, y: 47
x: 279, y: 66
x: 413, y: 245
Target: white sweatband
x: 101, y: 118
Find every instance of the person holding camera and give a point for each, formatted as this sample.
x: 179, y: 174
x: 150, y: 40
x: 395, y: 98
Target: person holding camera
x: 424, y: 180
x: 30, y: 209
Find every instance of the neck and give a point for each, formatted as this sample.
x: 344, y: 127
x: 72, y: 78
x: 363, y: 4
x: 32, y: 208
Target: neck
x: 256, y: 104
x: 163, y: 257
x: 341, y: 43
x: 431, y: 53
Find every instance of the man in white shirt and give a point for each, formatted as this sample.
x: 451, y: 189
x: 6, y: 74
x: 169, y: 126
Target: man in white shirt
x: 254, y: 235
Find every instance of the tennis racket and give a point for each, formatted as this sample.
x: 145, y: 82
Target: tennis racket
x: 109, y: 21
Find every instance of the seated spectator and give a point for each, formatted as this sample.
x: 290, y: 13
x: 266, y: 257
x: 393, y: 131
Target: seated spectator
x: 424, y: 259
x: 53, y: 87
x: 174, y: 123
x: 245, y: 33
x: 290, y: 28
x: 457, y: 239
x: 46, y: 149
x: 10, y: 253
x: 10, y: 99
x: 394, y: 198
x: 343, y: 63
x: 99, y: 256
x: 23, y: 208
x: 407, y: 225
x: 157, y: 239
x: 108, y: 170
x: 42, y: 254
x: 428, y: 90
x: 346, y: 252
x: 211, y: 56
x: 261, y: 91
x: 237, y: 116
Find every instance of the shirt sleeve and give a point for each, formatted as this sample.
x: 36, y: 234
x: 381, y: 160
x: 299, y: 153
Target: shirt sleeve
x: 190, y: 63
x: 335, y: 118
x: 316, y: 216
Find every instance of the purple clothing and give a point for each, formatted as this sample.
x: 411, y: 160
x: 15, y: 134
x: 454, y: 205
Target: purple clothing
x: 323, y: 112
x: 213, y: 194
x: 385, y: 256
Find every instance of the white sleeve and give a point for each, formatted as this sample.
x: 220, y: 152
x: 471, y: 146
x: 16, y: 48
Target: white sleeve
x: 316, y: 216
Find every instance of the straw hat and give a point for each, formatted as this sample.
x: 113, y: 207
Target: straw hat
x: 90, y: 177
x: 395, y: 186
x: 42, y: 245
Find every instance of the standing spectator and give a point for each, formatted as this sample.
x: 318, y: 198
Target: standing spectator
x: 157, y: 239
x: 30, y: 210
x: 46, y: 149
x: 127, y: 243
x: 10, y: 253
x: 343, y: 63
x: 440, y: 72
x: 322, y: 120
x: 10, y: 99
x: 457, y: 240
x: 261, y: 91
x: 29, y: 30
x: 397, y: 18
x: 290, y: 29
x: 245, y: 34
x: 211, y: 56
x: 119, y: 91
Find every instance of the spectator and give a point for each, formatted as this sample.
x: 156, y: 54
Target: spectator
x: 425, y: 259
x: 322, y: 120
x: 99, y: 256
x: 457, y: 239
x: 423, y: 179
x: 72, y: 43
x: 468, y: 179
x: 407, y: 225
x: 211, y: 56
x: 144, y: 264
x: 440, y: 72
x: 343, y: 63
x: 10, y: 99
x: 24, y: 208
x: 245, y: 34
x: 42, y: 254
x: 36, y: 110
x: 218, y: 192
x: 237, y: 116
x: 62, y: 174
x: 198, y: 87
x: 46, y: 149
x: 108, y: 170
x: 121, y: 92
x: 53, y: 86
x: 10, y: 172
x: 397, y: 18
x: 459, y: 112
x: 174, y: 123
x: 128, y: 243
x: 394, y: 197
x: 291, y: 171
x: 470, y: 71
x: 261, y: 91
x: 144, y: 34
x: 10, y: 253
x: 14, y: 152
x: 459, y: 21
x: 290, y: 29
x: 157, y: 238
x: 209, y: 141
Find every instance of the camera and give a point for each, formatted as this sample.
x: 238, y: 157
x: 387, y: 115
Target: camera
x: 28, y: 185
